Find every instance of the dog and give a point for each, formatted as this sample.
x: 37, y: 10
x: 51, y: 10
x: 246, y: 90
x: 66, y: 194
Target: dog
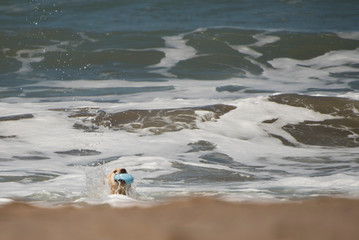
x: 120, y: 186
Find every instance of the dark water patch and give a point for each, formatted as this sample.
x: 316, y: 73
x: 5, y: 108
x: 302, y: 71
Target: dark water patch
x: 131, y: 73
x: 80, y: 59
x: 96, y: 163
x: 284, y: 141
x: 53, y: 53
x: 93, y: 92
x: 343, y: 131
x: 215, y: 67
x: 230, y: 88
x: 158, y: 15
x: 215, y: 58
x: 335, y: 106
x: 142, y: 40
x: 19, y: 39
x: 313, y: 160
x: 346, y: 75
x: 194, y: 174
x: 78, y: 112
x: 16, y: 117
x: 330, y: 170
x: 9, y: 92
x: 269, y: 121
x: 85, y: 42
x: 333, y: 90
x: 201, y: 145
x: 8, y: 65
x: 6, y: 159
x: 37, y: 177
x: 354, y: 84
x: 351, y: 124
x: 225, y: 160
x: 303, y: 46
x: 258, y: 91
x: 79, y: 152
x: 14, y: 83
x: 103, y: 161
x: 7, y: 137
x: 217, y: 158
x: 83, y: 109
x: 323, y: 134
x: 156, y: 120
x: 103, y: 100
x: 82, y: 114
x: 31, y: 157
x: 66, y: 54
x: 87, y: 127
x: 217, y: 40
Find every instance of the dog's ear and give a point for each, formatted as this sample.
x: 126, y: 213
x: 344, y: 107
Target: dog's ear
x: 123, y: 170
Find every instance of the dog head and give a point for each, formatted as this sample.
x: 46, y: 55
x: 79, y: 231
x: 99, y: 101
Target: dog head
x: 119, y: 187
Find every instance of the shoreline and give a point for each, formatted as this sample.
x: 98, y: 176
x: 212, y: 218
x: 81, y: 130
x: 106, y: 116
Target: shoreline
x: 190, y: 218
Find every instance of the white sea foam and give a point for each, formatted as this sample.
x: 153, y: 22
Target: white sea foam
x: 239, y: 134
x: 314, y: 186
x: 4, y: 201
x: 293, y: 75
x: 176, y: 50
x: 262, y: 39
x: 29, y: 56
x: 90, y: 84
x: 84, y: 36
x: 247, y: 50
x: 349, y: 35
x: 114, y: 201
x: 26, y: 57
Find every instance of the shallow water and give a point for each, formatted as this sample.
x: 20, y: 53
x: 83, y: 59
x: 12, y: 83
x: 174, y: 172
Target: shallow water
x: 239, y: 100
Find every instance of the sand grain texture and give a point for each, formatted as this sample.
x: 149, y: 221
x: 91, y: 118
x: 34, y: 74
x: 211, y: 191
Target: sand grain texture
x: 198, y: 218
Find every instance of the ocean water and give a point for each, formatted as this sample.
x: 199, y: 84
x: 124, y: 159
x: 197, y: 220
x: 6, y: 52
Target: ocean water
x: 241, y: 100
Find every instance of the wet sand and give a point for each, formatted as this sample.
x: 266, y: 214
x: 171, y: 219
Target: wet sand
x: 198, y: 218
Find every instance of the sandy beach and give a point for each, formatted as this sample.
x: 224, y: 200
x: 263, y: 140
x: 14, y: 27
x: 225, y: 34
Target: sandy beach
x: 197, y: 218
